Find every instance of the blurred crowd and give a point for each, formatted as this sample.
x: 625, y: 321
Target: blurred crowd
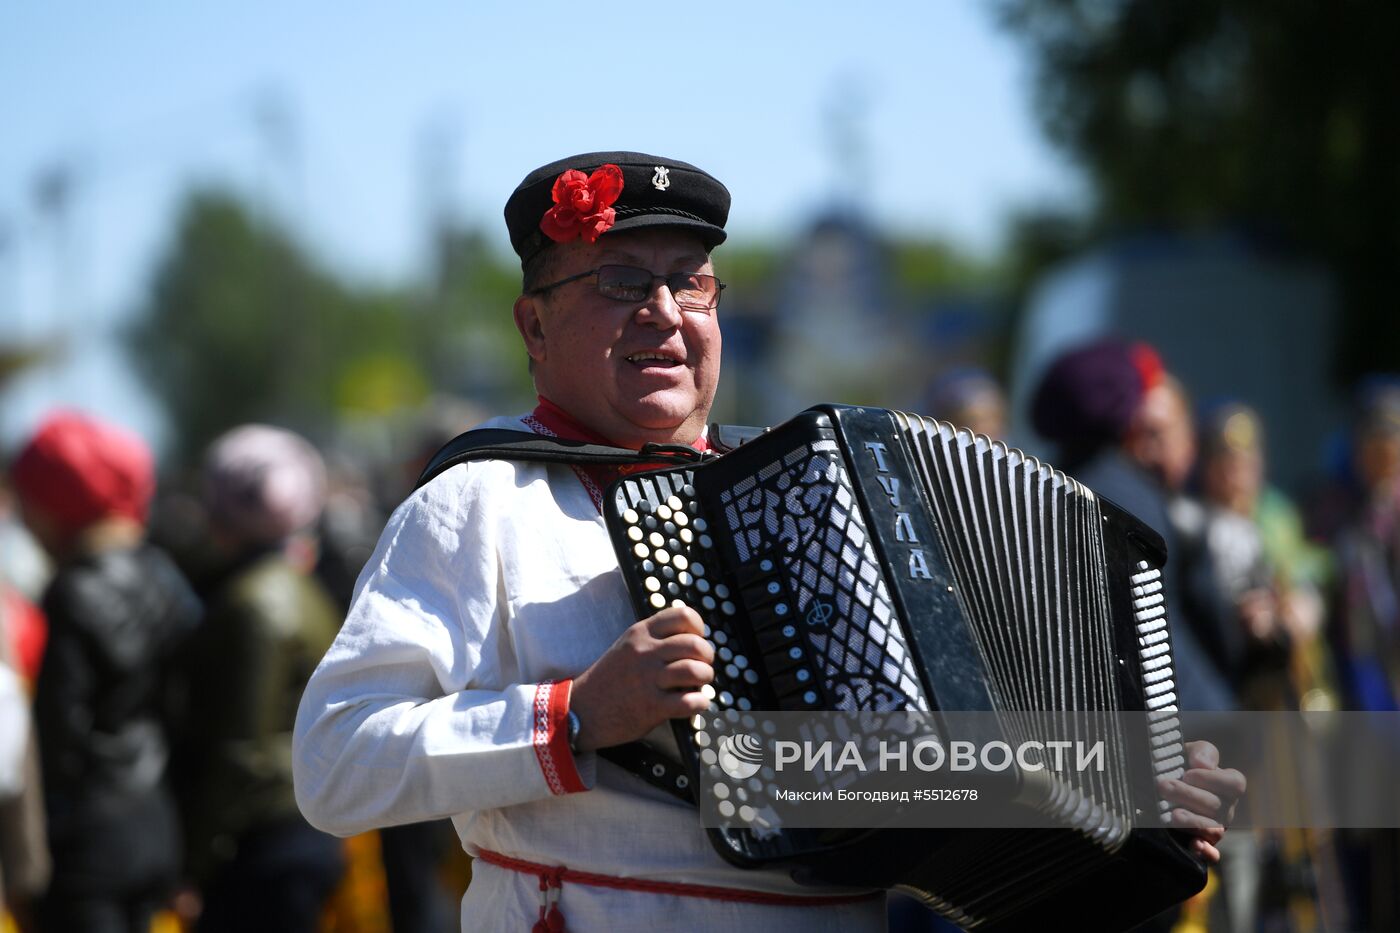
x: 156, y: 644
x: 151, y: 662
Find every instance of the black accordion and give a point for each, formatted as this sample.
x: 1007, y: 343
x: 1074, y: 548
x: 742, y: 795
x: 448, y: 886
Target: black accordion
x: 859, y: 559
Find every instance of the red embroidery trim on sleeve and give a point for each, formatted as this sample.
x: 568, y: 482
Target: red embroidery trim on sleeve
x: 551, y: 738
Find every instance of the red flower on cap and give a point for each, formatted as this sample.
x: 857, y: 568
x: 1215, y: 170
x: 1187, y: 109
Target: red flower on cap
x: 583, y: 204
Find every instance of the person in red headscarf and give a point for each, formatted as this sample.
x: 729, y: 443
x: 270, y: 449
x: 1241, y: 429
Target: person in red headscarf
x: 117, y: 608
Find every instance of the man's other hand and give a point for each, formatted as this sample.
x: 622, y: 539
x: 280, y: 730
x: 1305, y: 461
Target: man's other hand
x: 1205, y: 798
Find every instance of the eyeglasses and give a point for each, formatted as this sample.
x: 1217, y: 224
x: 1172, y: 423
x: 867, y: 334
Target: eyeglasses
x: 693, y: 291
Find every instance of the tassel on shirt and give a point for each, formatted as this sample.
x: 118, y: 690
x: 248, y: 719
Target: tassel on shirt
x: 551, y: 888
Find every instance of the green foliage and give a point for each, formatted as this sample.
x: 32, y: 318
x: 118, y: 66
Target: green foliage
x: 931, y: 266
x: 1275, y: 116
x: 748, y: 266
x: 474, y: 349
x: 241, y: 325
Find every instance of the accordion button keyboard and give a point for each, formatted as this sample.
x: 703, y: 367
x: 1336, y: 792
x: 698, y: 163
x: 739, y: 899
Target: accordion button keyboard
x: 773, y: 642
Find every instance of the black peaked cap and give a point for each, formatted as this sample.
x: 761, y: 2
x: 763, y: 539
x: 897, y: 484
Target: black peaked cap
x: 656, y: 192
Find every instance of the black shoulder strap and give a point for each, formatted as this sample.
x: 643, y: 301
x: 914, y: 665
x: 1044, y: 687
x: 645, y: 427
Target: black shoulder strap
x: 507, y: 444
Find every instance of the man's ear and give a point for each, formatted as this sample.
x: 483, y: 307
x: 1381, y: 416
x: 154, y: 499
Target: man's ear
x: 527, y: 321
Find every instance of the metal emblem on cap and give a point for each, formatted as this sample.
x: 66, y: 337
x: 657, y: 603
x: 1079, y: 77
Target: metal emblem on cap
x: 662, y: 179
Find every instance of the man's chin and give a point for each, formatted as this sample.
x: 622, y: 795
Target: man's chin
x: 665, y: 423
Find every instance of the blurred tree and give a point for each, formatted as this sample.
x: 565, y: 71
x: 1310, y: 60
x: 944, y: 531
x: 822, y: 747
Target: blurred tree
x: 922, y: 267
x: 241, y: 325
x: 472, y: 345
x: 1276, y: 116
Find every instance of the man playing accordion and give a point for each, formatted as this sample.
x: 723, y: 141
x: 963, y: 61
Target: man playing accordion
x: 491, y: 648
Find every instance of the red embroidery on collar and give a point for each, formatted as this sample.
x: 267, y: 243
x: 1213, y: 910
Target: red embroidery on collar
x: 552, y: 421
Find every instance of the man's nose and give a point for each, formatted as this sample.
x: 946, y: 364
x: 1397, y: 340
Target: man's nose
x: 660, y: 309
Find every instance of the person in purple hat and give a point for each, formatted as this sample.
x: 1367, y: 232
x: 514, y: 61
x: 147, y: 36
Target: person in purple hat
x: 1089, y: 404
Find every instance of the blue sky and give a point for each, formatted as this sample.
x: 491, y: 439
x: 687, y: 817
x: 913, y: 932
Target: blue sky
x: 325, y: 111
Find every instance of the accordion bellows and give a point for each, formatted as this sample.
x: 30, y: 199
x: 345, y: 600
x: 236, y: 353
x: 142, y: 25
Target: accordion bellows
x: 859, y: 559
